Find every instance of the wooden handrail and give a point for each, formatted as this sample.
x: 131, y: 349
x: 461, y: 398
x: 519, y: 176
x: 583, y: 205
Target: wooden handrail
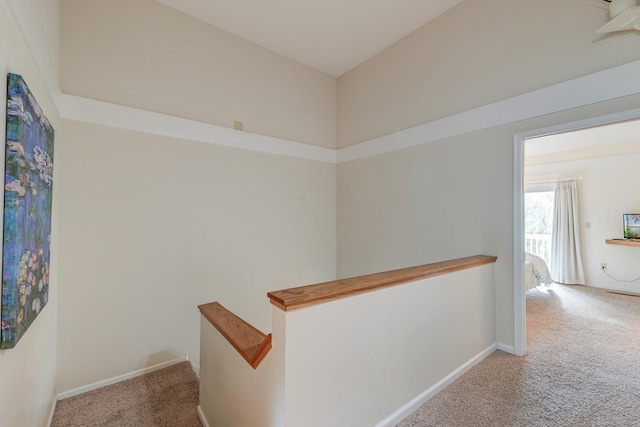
x: 252, y: 344
x: 288, y: 299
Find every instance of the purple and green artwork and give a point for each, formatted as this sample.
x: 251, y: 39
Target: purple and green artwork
x: 28, y: 188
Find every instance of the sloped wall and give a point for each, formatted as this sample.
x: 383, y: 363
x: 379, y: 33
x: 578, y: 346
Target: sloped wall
x: 156, y: 225
x: 146, y: 55
x: 453, y: 197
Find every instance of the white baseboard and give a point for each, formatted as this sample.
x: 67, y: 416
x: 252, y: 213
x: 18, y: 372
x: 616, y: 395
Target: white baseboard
x: 196, y: 369
x: 104, y: 383
x: 53, y: 411
x: 422, y: 398
x: 628, y: 287
x: 203, y: 419
x: 506, y: 348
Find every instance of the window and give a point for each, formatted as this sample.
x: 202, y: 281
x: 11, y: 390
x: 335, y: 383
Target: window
x: 538, y: 221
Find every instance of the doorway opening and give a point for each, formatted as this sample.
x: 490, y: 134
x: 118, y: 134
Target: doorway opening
x: 521, y: 169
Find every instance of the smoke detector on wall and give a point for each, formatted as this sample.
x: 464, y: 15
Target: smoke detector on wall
x: 625, y: 16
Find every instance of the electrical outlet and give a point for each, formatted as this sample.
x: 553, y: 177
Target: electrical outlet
x: 603, y: 265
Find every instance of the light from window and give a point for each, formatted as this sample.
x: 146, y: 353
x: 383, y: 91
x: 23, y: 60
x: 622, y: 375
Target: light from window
x: 538, y: 219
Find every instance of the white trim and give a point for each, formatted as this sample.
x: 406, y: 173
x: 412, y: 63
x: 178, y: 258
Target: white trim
x: 506, y: 348
x: 104, y: 383
x: 52, y: 413
x: 423, y: 397
x: 597, y: 87
x: 519, y: 313
x: 549, y: 171
x: 608, y: 84
x: 196, y: 369
x: 203, y: 419
x: 119, y: 116
x: 539, y: 187
x: 519, y: 309
x: 582, y: 124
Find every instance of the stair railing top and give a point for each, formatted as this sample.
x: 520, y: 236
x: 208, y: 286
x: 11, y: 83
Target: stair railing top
x: 289, y: 299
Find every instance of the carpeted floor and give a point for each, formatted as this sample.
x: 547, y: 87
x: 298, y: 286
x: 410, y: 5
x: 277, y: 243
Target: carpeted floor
x: 167, y: 397
x: 581, y: 369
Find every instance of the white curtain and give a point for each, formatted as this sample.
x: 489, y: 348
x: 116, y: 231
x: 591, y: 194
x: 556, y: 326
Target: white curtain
x: 566, y: 257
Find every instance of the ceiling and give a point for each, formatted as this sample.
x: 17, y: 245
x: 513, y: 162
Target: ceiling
x: 332, y: 36
x: 613, y: 146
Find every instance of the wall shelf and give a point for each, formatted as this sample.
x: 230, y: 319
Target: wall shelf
x: 623, y: 242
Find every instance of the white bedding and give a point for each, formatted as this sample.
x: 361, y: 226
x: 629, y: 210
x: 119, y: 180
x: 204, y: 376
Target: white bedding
x: 536, y: 272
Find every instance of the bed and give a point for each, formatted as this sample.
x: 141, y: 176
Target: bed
x: 536, y: 272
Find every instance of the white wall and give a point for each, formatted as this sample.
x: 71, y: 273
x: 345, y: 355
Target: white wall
x: 604, y: 196
x: 146, y: 55
x: 118, y: 218
x: 365, y: 360
x: 476, y: 53
x: 40, y: 25
x: 355, y: 361
x: 429, y: 203
x: 28, y: 371
x: 154, y: 226
x: 453, y: 197
x: 232, y: 393
x: 446, y: 199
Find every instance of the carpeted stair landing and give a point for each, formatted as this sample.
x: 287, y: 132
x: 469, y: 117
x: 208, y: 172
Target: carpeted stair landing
x: 167, y: 397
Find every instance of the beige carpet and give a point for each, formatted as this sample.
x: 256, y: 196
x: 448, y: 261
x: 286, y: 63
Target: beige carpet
x: 582, y: 368
x: 167, y: 397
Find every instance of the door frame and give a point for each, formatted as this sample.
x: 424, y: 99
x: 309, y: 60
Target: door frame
x: 519, y: 139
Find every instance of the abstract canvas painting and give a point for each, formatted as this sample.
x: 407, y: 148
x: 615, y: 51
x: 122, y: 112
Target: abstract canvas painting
x: 27, y: 212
